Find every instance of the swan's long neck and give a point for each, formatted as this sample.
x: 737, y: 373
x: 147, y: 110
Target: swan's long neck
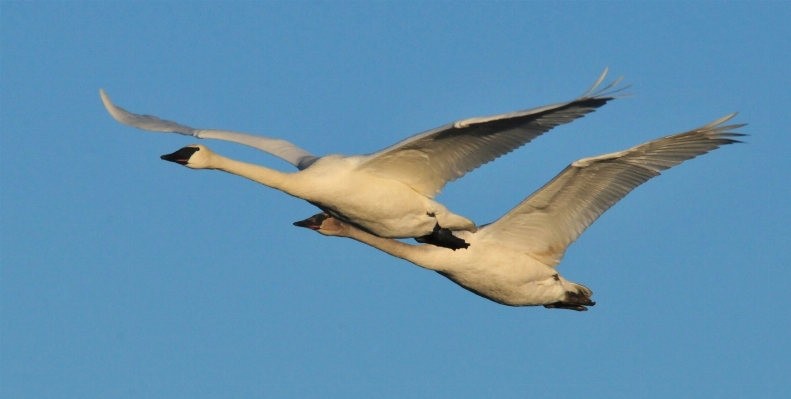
x: 417, y: 254
x: 269, y: 177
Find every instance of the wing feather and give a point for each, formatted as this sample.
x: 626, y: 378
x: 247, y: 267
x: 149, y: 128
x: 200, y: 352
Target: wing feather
x: 279, y: 148
x: 548, y: 221
x: 429, y: 160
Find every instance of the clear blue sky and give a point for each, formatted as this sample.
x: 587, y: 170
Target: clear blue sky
x: 124, y: 276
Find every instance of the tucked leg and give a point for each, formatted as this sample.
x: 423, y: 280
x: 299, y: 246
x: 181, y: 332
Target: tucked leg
x: 443, y: 238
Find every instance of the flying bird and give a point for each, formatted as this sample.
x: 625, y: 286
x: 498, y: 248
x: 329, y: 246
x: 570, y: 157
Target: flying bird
x: 513, y: 260
x: 388, y: 193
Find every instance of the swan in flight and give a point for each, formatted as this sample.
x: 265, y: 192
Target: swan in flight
x: 388, y: 193
x: 512, y: 261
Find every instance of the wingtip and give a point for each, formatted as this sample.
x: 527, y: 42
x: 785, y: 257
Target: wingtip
x: 725, y: 132
x: 108, y: 104
x: 596, y: 92
x: 603, y: 75
x: 720, y: 121
x: 730, y: 116
x: 598, y: 82
x: 119, y: 114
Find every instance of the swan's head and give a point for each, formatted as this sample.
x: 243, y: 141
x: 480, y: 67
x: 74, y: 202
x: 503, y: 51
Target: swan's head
x: 193, y: 156
x: 324, y: 224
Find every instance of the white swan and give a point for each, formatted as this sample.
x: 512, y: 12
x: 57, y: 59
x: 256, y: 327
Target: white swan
x: 512, y: 261
x: 388, y: 193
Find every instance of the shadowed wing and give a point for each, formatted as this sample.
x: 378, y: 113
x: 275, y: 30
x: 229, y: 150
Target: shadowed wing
x: 279, y: 148
x: 429, y: 160
x: 548, y: 221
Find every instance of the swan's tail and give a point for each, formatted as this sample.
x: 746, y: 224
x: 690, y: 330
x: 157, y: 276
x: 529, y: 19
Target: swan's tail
x: 577, y: 298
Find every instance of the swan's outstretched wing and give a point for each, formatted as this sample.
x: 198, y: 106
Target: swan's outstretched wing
x: 279, y: 148
x: 429, y: 160
x: 548, y: 221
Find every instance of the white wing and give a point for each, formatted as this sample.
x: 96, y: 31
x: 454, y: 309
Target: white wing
x: 429, y: 160
x: 279, y: 148
x: 548, y: 221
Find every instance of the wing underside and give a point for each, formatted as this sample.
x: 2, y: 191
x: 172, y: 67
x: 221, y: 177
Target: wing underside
x: 429, y: 160
x: 548, y: 221
x: 279, y: 148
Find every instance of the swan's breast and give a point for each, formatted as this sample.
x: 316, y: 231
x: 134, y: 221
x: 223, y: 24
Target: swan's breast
x: 499, y: 274
x: 385, y: 207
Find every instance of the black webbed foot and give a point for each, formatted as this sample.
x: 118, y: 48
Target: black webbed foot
x: 443, y: 238
x: 574, y: 301
x: 562, y: 305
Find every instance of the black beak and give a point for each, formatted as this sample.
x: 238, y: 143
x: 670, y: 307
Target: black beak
x: 181, y: 156
x: 313, y: 222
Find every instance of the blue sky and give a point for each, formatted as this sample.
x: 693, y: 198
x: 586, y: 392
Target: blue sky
x: 125, y: 276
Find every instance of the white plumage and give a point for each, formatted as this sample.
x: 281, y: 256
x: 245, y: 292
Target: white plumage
x: 388, y: 193
x: 512, y: 261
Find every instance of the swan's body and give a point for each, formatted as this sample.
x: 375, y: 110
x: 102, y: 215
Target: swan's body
x: 333, y: 184
x: 388, y: 193
x: 512, y: 261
